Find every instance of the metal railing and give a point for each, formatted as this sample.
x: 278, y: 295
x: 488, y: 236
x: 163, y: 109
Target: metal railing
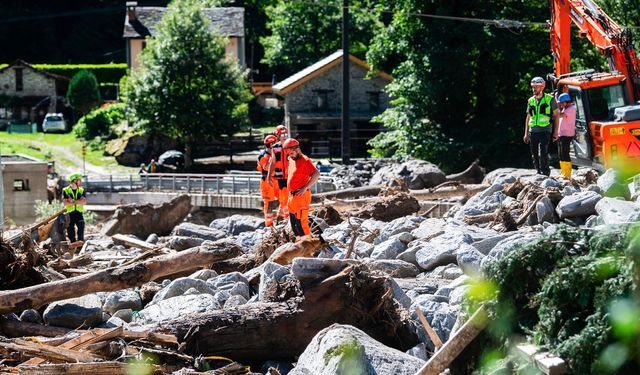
x: 245, y: 183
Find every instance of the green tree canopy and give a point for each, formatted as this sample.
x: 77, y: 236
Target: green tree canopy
x: 305, y: 32
x: 83, y: 93
x: 185, y: 87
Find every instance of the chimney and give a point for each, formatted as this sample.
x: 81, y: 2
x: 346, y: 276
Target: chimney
x: 131, y: 10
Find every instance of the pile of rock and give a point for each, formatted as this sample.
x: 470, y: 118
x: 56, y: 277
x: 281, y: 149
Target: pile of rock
x: 357, y: 174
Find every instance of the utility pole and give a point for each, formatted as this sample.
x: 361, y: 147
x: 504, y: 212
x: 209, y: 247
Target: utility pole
x: 346, y: 140
x: 1, y: 191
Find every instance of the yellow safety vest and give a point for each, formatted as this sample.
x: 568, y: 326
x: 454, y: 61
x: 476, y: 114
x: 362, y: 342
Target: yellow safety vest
x: 75, y: 195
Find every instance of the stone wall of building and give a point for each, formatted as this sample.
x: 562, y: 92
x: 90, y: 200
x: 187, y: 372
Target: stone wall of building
x: 33, y: 84
x: 24, y: 183
x: 305, y: 97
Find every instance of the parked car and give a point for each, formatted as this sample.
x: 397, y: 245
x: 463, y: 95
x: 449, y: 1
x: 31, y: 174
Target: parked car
x: 54, y: 122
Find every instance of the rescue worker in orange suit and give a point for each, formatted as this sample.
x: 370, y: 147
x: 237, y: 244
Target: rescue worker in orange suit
x: 278, y: 171
x: 267, y: 188
x: 302, y: 174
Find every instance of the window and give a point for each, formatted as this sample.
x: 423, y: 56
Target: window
x: 18, y: 79
x: 322, y: 100
x: 604, y: 100
x: 21, y: 184
x: 374, y: 100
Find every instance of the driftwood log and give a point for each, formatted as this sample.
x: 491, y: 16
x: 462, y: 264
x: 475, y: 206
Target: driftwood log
x: 474, y: 174
x: 257, y: 332
x: 364, y: 191
x: 116, y: 278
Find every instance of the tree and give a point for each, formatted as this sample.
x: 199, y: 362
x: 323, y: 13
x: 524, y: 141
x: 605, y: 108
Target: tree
x: 185, y: 87
x: 83, y: 93
x: 305, y: 32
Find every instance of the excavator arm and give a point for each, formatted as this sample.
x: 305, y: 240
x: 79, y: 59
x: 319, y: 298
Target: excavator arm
x: 611, y: 40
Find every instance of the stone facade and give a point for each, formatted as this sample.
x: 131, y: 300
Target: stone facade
x: 304, y: 99
x: 24, y: 90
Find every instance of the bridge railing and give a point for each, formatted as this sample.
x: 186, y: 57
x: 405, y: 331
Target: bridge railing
x: 234, y: 183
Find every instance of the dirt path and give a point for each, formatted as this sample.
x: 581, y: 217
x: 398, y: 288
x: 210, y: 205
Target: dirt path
x: 78, y: 164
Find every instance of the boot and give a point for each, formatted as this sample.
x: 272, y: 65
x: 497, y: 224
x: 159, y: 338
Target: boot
x: 565, y: 167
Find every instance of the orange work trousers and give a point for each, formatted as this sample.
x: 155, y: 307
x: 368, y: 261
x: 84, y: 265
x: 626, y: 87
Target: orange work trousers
x: 299, y: 213
x: 269, y: 201
x: 282, y: 194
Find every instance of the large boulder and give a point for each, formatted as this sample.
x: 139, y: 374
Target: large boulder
x: 389, y: 249
x: 394, y: 268
x: 616, y: 211
x: 417, y: 174
x: 198, y: 231
x: 179, y: 286
x: 506, y: 246
x: 442, y: 250
x: 75, y: 312
x: 236, y: 224
x: 612, y: 184
x: 580, y: 204
x: 142, y: 220
x: 133, y: 149
x: 344, y: 349
x: 177, y: 307
x: 389, y: 207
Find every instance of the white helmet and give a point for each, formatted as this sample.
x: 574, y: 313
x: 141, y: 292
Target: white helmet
x: 538, y: 81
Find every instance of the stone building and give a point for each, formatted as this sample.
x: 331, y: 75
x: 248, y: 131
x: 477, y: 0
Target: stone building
x: 141, y: 22
x: 24, y: 182
x: 313, y: 104
x: 28, y: 94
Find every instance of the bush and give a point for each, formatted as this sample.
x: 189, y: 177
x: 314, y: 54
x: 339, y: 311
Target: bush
x: 103, y: 72
x: 99, y: 122
x: 83, y: 93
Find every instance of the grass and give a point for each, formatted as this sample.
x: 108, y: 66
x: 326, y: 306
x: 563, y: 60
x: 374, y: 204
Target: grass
x: 57, y: 147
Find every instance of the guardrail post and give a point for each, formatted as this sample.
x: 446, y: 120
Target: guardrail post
x: 218, y: 184
x: 146, y: 182
x: 249, y: 185
x: 202, y: 184
x: 130, y: 183
x: 233, y: 184
x: 173, y: 183
x: 160, y: 182
x: 188, y: 184
x: 110, y: 183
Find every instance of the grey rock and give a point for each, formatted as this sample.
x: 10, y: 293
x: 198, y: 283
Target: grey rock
x: 394, y: 267
x: 75, y: 312
x: 577, y: 205
x: 123, y: 299
x: 458, y: 294
x: 271, y: 273
x: 506, y: 246
x: 404, y: 237
x: 470, y: 261
x: 340, y: 349
x: 198, y: 231
x: 249, y: 241
x: 389, y: 249
x: 444, y: 291
x: 153, y: 238
x: 205, y: 274
x: 550, y: 183
x: 486, y: 245
x: 177, y: 307
x: 612, y: 184
x: 593, y: 221
x: 419, y: 351
x: 283, y: 368
x: 545, y: 211
x: 31, y: 316
x: 441, y: 316
x: 568, y: 190
x: 398, y: 294
x: 191, y: 291
x: 400, y: 225
x: 234, y: 301
x: 363, y: 249
x: 594, y: 188
x: 179, y: 286
x: 114, y: 321
x: 124, y: 314
x: 508, y: 174
x: 309, y: 269
x: 418, y: 174
x: 180, y: 243
x: 236, y: 224
x: 222, y: 296
x: 451, y: 273
x: 442, y: 250
x: 616, y: 211
x: 409, y: 255
x: 227, y: 279
x: 240, y: 289
x: 434, y: 298
x: 429, y: 228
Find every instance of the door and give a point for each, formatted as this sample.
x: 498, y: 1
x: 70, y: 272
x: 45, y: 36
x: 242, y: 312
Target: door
x: 582, y: 141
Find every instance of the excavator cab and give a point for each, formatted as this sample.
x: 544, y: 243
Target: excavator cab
x: 607, y: 123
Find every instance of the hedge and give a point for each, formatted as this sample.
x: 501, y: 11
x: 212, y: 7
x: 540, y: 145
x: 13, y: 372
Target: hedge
x: 103, y: 72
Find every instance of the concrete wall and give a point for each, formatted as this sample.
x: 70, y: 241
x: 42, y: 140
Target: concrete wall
x: 135, y: 47
x: 304, y: 98
x: 19, y: 205
x: 229, y: 201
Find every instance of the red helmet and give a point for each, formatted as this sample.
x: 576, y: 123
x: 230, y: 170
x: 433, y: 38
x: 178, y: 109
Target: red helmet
x: 270, y: 139
x: 281, y: 129
x: 290, y: 143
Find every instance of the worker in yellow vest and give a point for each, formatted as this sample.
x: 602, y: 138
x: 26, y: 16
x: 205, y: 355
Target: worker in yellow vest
x: 74, y: 199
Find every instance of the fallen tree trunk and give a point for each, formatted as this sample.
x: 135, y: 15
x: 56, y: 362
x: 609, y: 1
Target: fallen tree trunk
x: 16, y: 328
x: 257, y: 332
x: 474, y: 174
x: 363, y: 191
x: 116, y: 278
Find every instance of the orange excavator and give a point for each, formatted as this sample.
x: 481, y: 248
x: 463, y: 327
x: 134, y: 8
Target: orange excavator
x: 608, y: 112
